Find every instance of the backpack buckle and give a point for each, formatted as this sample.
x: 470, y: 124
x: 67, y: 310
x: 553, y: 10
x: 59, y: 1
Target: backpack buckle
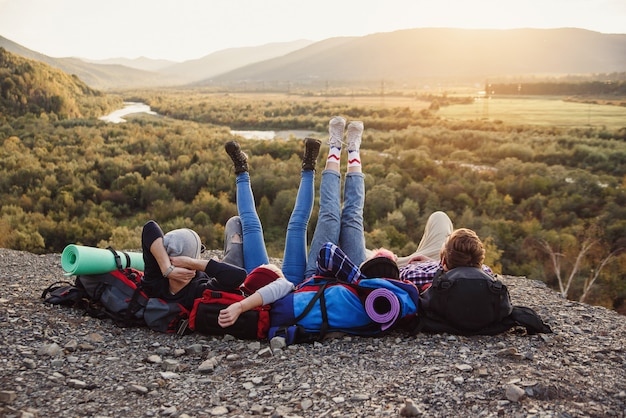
x: 182, y: 328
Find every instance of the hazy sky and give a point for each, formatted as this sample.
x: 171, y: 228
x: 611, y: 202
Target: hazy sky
x: 179, y: 30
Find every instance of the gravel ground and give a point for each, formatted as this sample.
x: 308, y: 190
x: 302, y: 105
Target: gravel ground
x: 57, y: 363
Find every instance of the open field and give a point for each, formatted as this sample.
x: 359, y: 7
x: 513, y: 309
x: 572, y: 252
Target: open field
x: 357, y: 100
x: 539, y: 111
x: 519, y: 110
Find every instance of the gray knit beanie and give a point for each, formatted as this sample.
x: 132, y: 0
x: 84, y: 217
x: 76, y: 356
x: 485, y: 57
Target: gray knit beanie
x: 182, y: 241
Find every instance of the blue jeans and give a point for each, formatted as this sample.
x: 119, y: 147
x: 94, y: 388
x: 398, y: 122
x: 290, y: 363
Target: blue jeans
x: 295, y: 255
x: 254, y: 250
x: 341, y: 227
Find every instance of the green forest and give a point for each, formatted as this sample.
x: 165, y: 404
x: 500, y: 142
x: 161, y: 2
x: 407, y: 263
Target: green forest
x: 549, y: 203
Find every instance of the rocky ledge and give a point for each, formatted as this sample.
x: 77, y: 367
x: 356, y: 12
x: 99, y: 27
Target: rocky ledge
x: 58, y: 363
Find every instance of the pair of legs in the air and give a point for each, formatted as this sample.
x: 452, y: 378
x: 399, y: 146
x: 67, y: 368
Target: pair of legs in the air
x: 244, y: 243
x: 342, y: 226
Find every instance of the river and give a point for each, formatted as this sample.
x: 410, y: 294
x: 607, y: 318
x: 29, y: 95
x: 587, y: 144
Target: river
x: 129, y: 108
x: 136, y: 107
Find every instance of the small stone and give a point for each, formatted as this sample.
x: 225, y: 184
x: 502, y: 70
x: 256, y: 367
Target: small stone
x: 514, y: 393
x: 56, y: 363
x: 168, y: 411
x: 194, y: 349
x: 510, y: 352
x: 409, y: 409
x: 208, y: 365
x: 7, y: 396
x: 29, y: 363
x: 162, y: 351
x: 170, y: 365
x: 154, y: 359
x: 278, y: 343
x: 306, y: 404
x: 482, y: 372
x: 266, y: 352
x: 464, y: 367
x: 138, y: 389
x: 71, y: 346
x: 95, y: 338
x: 49, y: 350
x: 76, y: 383
x: 218, y: 411
x: 86, y: 347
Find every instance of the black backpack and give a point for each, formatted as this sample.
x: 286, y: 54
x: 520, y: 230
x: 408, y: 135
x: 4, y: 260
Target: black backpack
x: 468, y: 301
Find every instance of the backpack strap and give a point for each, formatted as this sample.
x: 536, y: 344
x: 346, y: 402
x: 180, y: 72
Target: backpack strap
x: 118, y: 259
x: 530, y: 320
x: 116, y: 256
x: 292, y: 331
x: 54, y: 286
x: 319, y: 294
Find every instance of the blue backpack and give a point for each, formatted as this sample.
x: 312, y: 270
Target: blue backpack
x: 321, y: 305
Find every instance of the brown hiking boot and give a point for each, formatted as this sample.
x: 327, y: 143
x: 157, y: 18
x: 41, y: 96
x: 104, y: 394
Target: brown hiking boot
x: 311, y: 151
x: 240, y: 159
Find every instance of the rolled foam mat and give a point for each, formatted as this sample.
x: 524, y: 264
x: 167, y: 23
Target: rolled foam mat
x: 79, y: 259
x: 383, y: 307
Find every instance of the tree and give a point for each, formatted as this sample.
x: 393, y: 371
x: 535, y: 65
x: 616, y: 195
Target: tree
x: 584, y: 261
x: 595, y: 273
x: 556, y: 258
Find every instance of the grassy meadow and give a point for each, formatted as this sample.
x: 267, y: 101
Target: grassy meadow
x: 514, y: 110
x: 544, y: 111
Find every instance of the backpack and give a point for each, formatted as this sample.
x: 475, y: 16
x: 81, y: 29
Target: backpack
x: 117, y: 295
x: 322, y: 305
x: 468, y: 301
x: 251, y: 325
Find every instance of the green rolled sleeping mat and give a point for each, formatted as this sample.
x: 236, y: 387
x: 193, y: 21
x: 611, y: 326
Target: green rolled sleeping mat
x: 79, y: 259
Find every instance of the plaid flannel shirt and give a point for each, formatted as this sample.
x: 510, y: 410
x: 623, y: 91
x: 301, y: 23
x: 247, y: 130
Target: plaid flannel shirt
x: 424, y: 272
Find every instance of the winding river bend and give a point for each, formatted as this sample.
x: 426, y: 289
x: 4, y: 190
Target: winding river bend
x: 137, y: 107
x: 129, y: 108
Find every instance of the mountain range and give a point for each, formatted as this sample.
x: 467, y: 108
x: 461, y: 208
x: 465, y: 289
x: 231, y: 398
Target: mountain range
x: 411, y: 57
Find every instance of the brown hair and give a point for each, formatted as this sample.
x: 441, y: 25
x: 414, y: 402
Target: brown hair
x: 463, y: 249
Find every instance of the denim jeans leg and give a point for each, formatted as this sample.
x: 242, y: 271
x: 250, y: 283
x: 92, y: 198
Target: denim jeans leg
x: 233, y: 242
x: 352, y: 237
x: 254, y: 250
x: 328, y: 220
x: 295, y: 254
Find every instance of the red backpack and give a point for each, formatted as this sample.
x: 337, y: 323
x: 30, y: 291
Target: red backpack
x: 251, y: 325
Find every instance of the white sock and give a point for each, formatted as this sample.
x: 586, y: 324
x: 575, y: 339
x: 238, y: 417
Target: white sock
x: 354, y: 158
x: 334, y: 155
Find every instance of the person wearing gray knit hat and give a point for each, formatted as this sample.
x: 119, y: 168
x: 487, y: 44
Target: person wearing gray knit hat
x: 183, y: 241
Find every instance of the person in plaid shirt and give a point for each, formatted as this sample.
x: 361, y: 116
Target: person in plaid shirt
x: 442, y: 247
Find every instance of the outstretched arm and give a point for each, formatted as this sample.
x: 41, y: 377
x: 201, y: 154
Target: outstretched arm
x: 227, y: 275
x: 228, y: 316
x: 269, y: 293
